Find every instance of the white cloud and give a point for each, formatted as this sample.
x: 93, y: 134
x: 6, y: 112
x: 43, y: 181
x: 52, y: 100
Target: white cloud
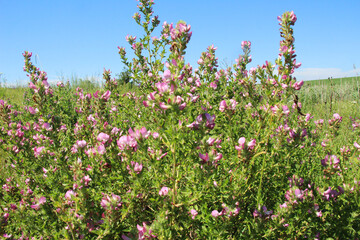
x: 323, y: 73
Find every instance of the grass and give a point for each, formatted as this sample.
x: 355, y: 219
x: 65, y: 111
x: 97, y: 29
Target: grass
x: 14, y: 95
x: 323, y: 98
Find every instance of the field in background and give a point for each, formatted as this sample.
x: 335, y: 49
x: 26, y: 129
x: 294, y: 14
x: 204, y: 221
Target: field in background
x: 323, y: 98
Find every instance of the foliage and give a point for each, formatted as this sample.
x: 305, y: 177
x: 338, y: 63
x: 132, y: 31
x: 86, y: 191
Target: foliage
x: 194, y: 154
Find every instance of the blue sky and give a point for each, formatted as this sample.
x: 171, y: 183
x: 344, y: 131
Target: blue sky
x: 81, y: 37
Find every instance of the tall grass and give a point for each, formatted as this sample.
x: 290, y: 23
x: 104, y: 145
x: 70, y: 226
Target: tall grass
x: 88, y: 84
x: 323, y: 98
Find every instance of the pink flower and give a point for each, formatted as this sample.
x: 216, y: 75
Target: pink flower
x: 182, y: 106
x: 32, y: 110
x: 283, y: 205
x: 215, y: 213
x: 101, y: 149
x: 213, y: 85
x: 59, y: 84
x: 105, y: 202
x: 38, y: 151
x: 210, y: 121
x: 47, y: 126
x: 252, y: 144
x: 146, y: 103
x: 40, y: 202
x: 162, y: 87
x: 298, y: 85
x: 126, y: 141
x: 155, y: 135
x: 164, y: 191
x: 81, y: 143
x: 144, y: 233
x: 46, y: 84
x: 245, y: 44
x: 103, y: 137
x: 241, y: 144
x: 193, y: 212
x: 163, y: 105
x: 69, y: 194
x: 210, y: 141
x: 205, y: 157
x: 233, y: 104
x: 32, y: 86
x: 293, y: 17
x: 167, y: 74
x: 138, y: 167
x: 218, y: 157
x: 356, y: 145
x: 87, y: 179
x: 319, y: 214
x: 223, y: 106
x: 285, y: 109
x: 106, y: 95
x: 336, y: 116
x: 256, y: 213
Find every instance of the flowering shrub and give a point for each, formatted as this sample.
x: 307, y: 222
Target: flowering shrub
x: 194, y: 153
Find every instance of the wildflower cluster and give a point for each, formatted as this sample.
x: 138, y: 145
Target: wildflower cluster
x: 188, y: 154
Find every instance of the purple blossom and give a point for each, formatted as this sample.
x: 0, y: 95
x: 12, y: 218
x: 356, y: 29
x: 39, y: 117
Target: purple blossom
x: 299, y: 194
x: 164, y: 106
x: 298, y: 85
x: 38, y: 150
x: 218, y: 157
x: 210, y: 121
x: 101, y: 149
x: 106, y: 96
x: 256, y: 213
x: 32, y: 110
x: 223, y: 106
x: 162, y: 87
x: 205, y: 157
x: 251, y: 144
x: 138, y: 167
x: 331, y: 160
x: 155, y: 135
x: 210, y: 141
x: 167, y: 74
x: 285, y: 109
x: 40, y: 202
x: 293, y: 17
x: 69, y: 194
x: 126, y: 141
x: 215, y: 213
x: 164, y: 191
x: 86, y: 179
x: 241, y: 144
x: 103, y: 137
x: 245, y: 44
x: 193, y: 213
x: 81, y: 143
